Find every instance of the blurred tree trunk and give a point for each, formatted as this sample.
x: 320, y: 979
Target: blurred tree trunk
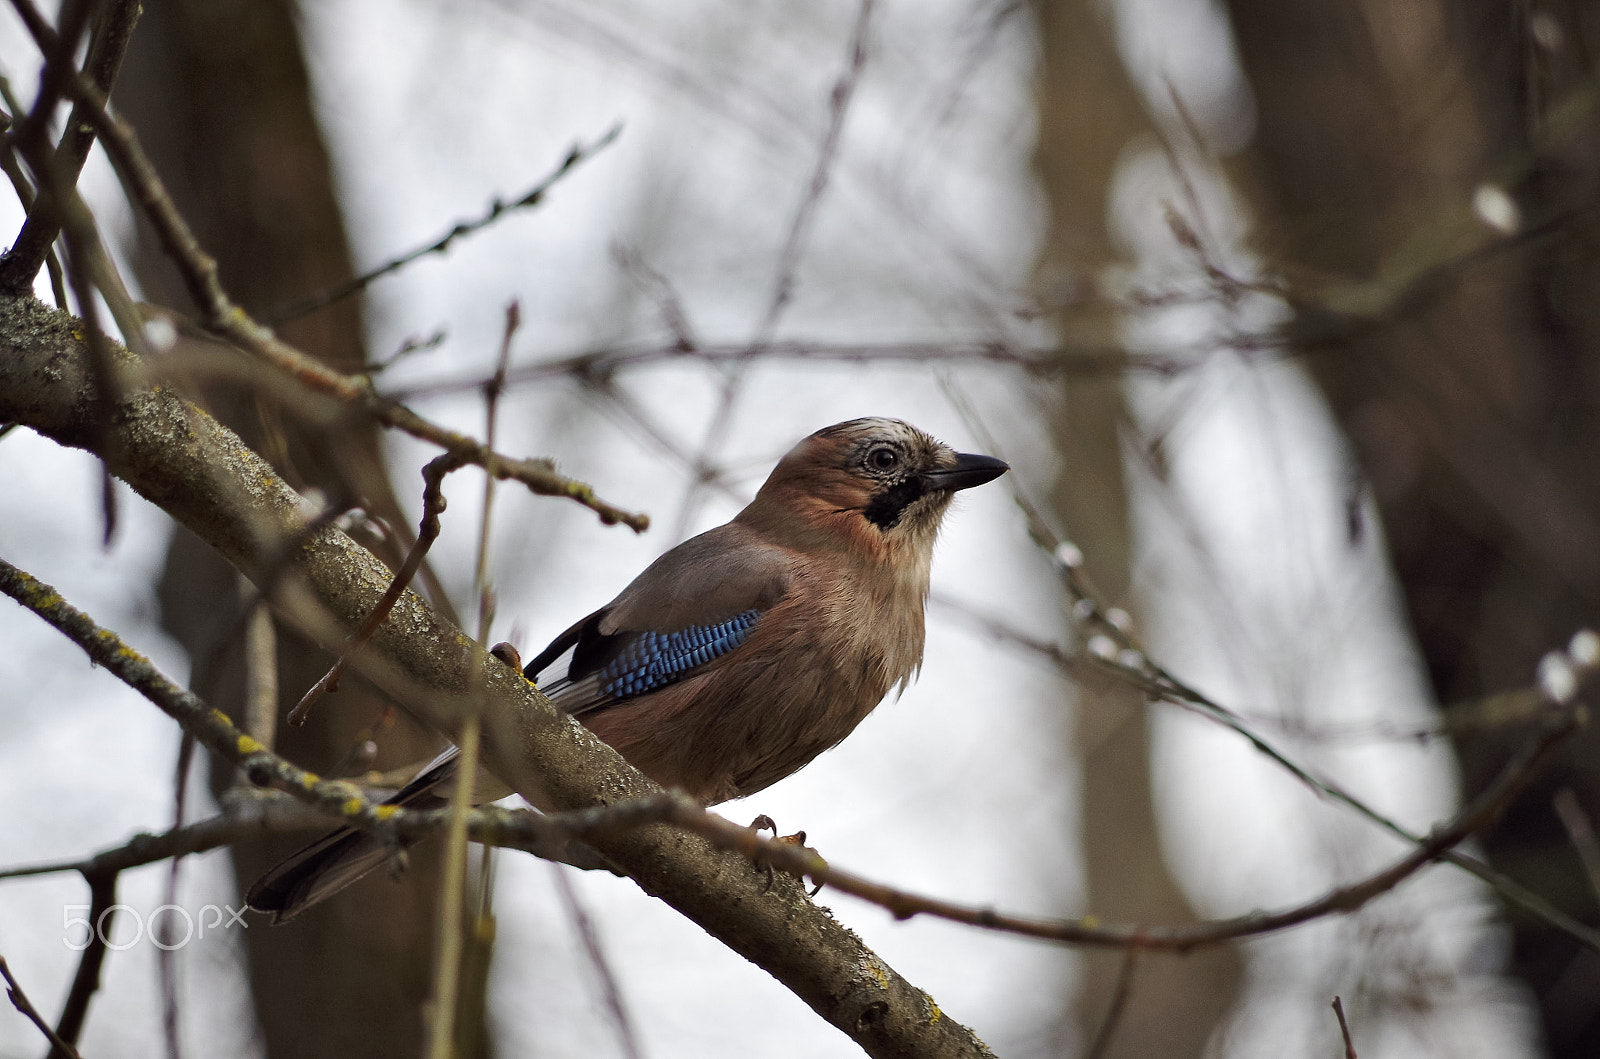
x: 220, y: 93
x: 1472, y: 406
x: 1088, y: 115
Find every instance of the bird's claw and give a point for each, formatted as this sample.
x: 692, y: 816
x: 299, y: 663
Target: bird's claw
x: 798, y: 840
x: 510, y: 656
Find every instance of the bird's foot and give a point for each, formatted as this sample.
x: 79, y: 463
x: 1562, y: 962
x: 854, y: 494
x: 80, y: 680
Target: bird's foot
x: 798, y: 839
x: 509, y: 655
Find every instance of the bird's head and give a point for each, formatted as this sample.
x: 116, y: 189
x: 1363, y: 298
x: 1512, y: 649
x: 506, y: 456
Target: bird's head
x: 878, y: 485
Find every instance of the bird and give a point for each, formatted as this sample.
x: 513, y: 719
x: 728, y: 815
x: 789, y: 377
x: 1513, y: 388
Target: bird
x: 740, y: 655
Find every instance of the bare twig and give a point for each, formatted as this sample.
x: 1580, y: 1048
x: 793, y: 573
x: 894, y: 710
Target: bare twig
x: 1113, y: 647
x: 209, y: 481
x: 536, y: 833
x: 102, y: 912
x: 673, y: 314
x: 1580, y: 829
x: 1482, y: 811
x: 447, y: 955
x: 839, y: 100
x: 576, y: 156
x: 492, y: 392
x: 447, y: 962
x: 788, y: 262
x: 25, y: 195
x: 247, y: 814
x: 20, y: 1001
x: 166, y: 958
x: 1067, y: 361
x: 261, y: 670
x: 610, y: 988
x: 433, y: 504
x: 109, y: 45
x: 1344, y: 1030
x: 220, y: 315
x: 1119, y: 1003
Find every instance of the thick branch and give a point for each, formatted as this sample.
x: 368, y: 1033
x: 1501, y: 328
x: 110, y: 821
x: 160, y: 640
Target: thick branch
x: 180, y: 459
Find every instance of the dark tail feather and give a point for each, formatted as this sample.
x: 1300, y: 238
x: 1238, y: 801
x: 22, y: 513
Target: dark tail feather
x: 340, y: 857
x: 316, y: 873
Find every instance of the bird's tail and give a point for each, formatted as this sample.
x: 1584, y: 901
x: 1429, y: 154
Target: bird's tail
x: 316, y: 873
x: 339, y: 858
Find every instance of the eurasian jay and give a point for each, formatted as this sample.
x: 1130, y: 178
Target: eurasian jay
x: 743, y: 653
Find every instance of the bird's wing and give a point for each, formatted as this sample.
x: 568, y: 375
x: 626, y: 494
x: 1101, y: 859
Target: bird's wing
x: 693, y: 605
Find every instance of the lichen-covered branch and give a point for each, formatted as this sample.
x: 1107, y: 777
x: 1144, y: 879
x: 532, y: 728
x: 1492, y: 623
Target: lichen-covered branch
x: 200, y: 473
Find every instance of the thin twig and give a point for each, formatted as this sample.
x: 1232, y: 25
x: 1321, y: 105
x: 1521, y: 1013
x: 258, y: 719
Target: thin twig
x: 1344, y: 1030
x: 221, y: 316
x: 1482, y: 811
x: 166, y: 958
x: 1124, y: 656
x: 668, y: 303
x: 1046, y: 362
x: 1581, y: 831
x: 450, y: 946
x: 20, y: 1001
x: 576, y: 156
x: 106, y: 50
x: 25, y: 195
x: 1119, y: 1003
x: 248, y: 814
x: 433, y: 504
x: 839, y: 99
x: 610, y: 988
x: 539, y: 834
x: 493, y: 390
x: 447, y: 955
x: 102, y: 913
x: 261, y: 670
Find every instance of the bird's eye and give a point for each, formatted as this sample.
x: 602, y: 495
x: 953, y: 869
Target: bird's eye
x: 882, y: 459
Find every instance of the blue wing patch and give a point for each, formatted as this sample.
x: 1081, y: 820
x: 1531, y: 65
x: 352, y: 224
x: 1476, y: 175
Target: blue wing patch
x: 652, y: 660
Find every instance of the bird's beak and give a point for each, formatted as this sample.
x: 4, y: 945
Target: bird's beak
x: 969, y: 470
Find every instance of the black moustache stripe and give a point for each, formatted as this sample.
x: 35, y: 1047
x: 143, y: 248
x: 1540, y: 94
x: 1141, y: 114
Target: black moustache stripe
x: 885, y: 509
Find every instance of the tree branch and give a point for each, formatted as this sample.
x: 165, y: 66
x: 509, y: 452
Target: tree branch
x: 221, y: 316
x: 180, y: 459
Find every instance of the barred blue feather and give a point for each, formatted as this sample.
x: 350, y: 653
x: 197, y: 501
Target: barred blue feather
x: 655, y: 659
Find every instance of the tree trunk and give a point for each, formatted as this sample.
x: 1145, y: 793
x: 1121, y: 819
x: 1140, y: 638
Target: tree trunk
x: 1088, y: 114
x: 1471, y: 399
x: 220, y: 94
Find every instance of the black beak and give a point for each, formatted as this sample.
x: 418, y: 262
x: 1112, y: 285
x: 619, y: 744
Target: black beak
x: 970, y: 470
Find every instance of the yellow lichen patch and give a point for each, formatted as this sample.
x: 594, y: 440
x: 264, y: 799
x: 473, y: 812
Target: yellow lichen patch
x: 934, y: 1014
x: 218, y: 717
x: 1089, y: 922
x: 309, y: 780
x: 385, y: 812
x: 876, y: 969
x: 353, y: 807
x: 248, y: 746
